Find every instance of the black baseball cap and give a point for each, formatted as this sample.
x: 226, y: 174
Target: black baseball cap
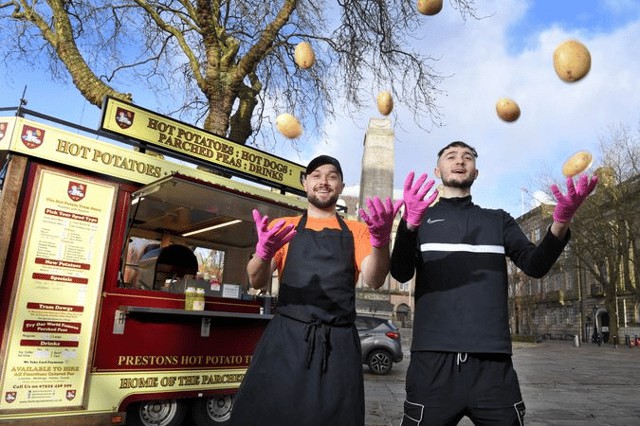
x: 321, y: 160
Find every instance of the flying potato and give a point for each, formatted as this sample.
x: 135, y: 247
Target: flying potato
x: 385, y: 102
x: 507, y: 109
x: 572, y: 61
x: 429, y: 7
x: 303, y: 55
x: 288, y: 125
x: 577, y: 163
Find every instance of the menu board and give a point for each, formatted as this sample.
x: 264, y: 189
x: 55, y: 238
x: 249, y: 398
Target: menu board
x: 57, y: 288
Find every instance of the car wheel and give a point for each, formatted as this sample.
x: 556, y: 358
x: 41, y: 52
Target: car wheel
x: 168, y: 412
x: 379, y: 361
x: 215, y: 410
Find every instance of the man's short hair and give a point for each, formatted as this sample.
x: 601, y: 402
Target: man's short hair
x: 459, y: 144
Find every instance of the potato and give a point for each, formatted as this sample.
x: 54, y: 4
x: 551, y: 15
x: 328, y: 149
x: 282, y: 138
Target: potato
x: 385, y: 102
x: 288, y: 125
x: 304, y: 55
x: 507, y: 109
x: 577, y: 163
x: 572, y: 61
x: 429, y: 7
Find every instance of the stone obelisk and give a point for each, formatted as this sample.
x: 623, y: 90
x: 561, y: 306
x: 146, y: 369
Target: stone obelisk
x: 377, y: 161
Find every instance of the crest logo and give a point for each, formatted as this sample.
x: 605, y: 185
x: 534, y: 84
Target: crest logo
x: 70, y: 394
x: 32, y: 137
x: 10, y: 396
x: 76, y: 191
x: 124, y: 117
x: 3, y: 130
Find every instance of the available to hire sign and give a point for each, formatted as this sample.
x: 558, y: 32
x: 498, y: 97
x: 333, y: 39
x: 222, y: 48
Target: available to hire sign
x: 129, y: 120
x: 58, y: 285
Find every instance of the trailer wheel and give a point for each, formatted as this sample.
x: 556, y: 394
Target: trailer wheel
x: 166, y: 412
x: 215, y: 410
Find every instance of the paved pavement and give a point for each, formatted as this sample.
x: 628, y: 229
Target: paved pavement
x: 561, y: 385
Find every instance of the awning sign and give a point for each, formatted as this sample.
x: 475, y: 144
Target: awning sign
x: 188, y: 141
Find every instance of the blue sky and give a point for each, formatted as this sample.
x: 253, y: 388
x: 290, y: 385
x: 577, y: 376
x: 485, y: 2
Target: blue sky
x: 593, y: 16
x: 508, y: 53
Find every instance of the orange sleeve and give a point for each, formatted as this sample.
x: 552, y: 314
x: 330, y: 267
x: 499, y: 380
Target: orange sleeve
x: 362, y: 241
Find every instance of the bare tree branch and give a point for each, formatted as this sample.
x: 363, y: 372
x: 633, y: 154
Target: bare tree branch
x: 222, y: 64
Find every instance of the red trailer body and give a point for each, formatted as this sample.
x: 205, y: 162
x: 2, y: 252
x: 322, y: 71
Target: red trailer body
x: 124, y: 296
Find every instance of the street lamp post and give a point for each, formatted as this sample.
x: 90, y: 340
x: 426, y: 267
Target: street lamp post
x: 595, y: 324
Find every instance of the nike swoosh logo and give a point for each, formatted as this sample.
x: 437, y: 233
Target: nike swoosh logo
x: 432, y: 221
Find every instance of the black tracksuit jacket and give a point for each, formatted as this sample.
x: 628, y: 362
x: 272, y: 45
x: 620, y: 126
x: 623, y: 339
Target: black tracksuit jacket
x: 461, y: 291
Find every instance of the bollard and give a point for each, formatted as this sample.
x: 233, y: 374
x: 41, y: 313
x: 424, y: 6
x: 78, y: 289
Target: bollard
x: 576, y: 341
x: 627, y: 340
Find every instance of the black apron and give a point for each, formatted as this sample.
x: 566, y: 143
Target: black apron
x: 307, y: 367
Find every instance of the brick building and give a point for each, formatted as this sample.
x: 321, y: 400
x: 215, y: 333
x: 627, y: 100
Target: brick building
x: 594, y: 288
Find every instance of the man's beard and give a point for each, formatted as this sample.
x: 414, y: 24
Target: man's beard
x: 464, y: 184
x: 331, y: 201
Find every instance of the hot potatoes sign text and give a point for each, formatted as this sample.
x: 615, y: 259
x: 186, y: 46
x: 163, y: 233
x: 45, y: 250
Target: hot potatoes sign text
x: 188, y: 141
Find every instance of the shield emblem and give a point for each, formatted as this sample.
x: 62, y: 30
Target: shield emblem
x: 124, y: 117
x: 71, y: 393
x: 3, y: 130
x: 76, y: 191
x: 32, y: 137
x: 10, y: 396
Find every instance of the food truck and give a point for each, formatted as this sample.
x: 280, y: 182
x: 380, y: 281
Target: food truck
x: 124, y: 295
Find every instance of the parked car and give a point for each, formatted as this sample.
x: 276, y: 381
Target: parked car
x: 380, y: 342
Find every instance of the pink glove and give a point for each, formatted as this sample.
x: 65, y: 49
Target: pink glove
x: 415, y: 205
x: 270, y: 240
x: 568, y: 204
x: 380, y: 220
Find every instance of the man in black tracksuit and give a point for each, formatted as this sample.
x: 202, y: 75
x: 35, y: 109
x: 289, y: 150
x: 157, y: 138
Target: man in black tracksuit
x: 461, y: 350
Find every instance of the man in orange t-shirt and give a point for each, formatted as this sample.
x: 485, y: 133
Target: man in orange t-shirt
x: 307, y: 367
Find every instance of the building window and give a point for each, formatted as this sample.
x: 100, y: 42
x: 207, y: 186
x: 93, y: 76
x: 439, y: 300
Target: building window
x: 570, y: 281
